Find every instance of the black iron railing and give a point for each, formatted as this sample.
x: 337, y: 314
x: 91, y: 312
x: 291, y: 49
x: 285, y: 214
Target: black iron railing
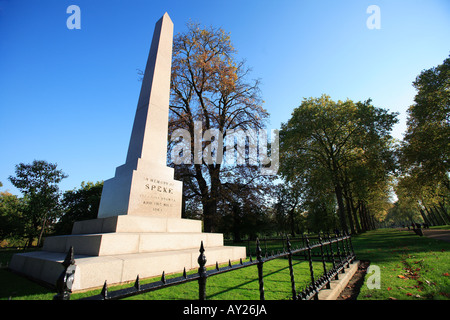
x: 337, y: 250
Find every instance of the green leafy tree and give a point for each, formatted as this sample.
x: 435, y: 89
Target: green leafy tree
x: 338, y: 143
x: 79, y: 204
x: 426, y: 144
x: 425, y: 149
x: 12, y: 209
x: 287, y: 207
x: 38, y: 182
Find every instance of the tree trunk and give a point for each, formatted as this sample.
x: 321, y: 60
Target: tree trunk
x: 438, y: 215
x: 214, y: 171
x: 349, y: 215
x: 208, y: 208
x: 236, y: 210
x: 42, y: 232
x: 362, y: 216
x: 341, y: 209
x: 291, y: 216
x: 424, y: 216
x: 432, y: 216
x: 444, y: 212
x: 355, y: 216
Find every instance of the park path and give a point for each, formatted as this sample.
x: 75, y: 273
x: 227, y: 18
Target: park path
x: 439, y: 234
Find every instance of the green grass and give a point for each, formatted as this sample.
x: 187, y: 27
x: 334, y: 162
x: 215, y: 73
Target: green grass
x: 235, y: 285
x: 15, y: 287
x: 411, y: 267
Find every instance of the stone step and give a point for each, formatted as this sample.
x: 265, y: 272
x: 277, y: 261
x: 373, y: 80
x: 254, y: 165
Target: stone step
x: 103, y: 244
x: 127, y: 223
x: 91, y: 272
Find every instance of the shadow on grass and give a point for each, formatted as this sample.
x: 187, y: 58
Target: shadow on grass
x: 16, y: 287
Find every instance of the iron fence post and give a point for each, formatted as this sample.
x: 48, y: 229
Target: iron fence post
x: 260, y: 270
x: 311, y: 269
x: 344, y: 249
x: 202, y: 273
x: 104, y: 292
x: 341, y: 262
x: 344, y: 252
x: 291, y: 269
x: 326, y: 247
x: 265, y: 247
x: 323, y: 262
x: 351, y: 246
x: 347, y: 249
x: 333, y: 260
x: 304, y: 246
x: 65, y: 280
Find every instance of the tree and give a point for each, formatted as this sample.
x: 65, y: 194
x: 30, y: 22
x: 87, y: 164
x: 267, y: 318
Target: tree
x: 243, y: 209
x: 79, y: 204
x: 12, y: 208
x: 38, y: 182
x: 425, y: 149
x: 288, y: 201
x: 345, y: 145
x: 426, y: 144
x: 210, y: 94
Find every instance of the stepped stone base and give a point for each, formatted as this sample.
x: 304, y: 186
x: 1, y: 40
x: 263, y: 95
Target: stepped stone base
x: 117, y: 249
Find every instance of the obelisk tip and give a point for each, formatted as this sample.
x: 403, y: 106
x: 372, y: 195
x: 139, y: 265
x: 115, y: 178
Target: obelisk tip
x: 166, y: 16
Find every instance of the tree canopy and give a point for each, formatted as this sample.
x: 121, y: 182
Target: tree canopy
x: 424, y: 183
x: 38, y: 182
x: 211, y: 97
x: 343, y: 148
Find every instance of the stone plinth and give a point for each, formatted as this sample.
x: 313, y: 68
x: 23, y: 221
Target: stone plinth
x: 92, y: 271
x: 117, y: 249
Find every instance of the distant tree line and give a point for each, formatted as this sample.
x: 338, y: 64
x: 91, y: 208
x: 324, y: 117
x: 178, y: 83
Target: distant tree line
x: 423, y: 183
x: 43, y: 209
x: 340, y: 155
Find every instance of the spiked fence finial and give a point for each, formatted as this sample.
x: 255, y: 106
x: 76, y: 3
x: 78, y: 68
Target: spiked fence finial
x: 104, y: 292
x: 137, y: 284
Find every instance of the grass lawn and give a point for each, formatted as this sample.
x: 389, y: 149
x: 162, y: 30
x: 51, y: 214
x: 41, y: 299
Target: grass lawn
x: 233, y: 285
x: 411, y: 268
x: 240, y: 285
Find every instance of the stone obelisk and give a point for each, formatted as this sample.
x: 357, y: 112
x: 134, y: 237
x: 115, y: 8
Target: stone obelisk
x: 139, y: 230
x: 144, y: 185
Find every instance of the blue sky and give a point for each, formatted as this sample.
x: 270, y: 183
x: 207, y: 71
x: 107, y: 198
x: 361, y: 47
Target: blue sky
x: 69, y: 96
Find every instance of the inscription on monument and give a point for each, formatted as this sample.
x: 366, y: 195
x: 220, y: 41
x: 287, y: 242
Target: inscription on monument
x: 160, y: 195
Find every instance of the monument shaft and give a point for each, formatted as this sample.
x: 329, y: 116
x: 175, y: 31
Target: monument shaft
x: 149, y: 135
x: 144, y: 185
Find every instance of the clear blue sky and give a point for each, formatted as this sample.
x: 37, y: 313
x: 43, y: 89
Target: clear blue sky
x: 69, y: 96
